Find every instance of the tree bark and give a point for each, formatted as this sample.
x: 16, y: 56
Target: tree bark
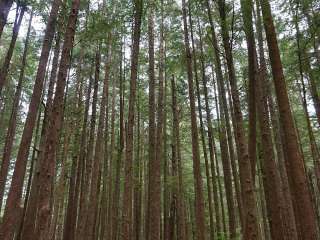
x: 198, y: 185
x: 181, y: 216
x: 297, y: 175
x: 251, y: 230
x: 13, y: 118
x: 51, y: 139
x: 128, y: 185
x: 15, y: 192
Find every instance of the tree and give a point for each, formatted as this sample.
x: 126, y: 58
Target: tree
x: 294, y: 162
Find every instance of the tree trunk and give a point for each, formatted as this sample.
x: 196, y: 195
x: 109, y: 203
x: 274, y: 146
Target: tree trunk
x: 15, y: 192
x: 13, y: 118
x: 88, y: 158
x: 294, y: 162
x: 28, y: 221
x: 51, y: 139
x: 198, y: 185
x: 154, y: 157
x: 128, y: 185
x: 251, y: 230
x: 181, y: 216
x: 205, y: 152
x: 271, y: 178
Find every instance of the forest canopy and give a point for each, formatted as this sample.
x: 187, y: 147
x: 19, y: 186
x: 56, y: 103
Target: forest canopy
x: 159, y: 119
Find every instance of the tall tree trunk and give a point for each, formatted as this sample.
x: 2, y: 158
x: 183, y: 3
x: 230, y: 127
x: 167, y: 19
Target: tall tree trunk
x: 15, y: 192
x: 294, y: 162
x: 28, y: 221
x: 210, y: 143
x: 287, y: 213
x: 247, y: 8
x: 51, y: 139
x: 224, y: 121
x: 232, y: 154
x: 99, y: 152
x: 181, y: 216
x: 205, y: 154
x: 128, y: 185
x: 251, y: 230
x: 198, y: 185
x: 88, y: 158
x: 13, y: 118
x: 116, y: 193
x: 111, y: 164
x: 271, y: 178
x: 154, y: 159
x: 159, y: 151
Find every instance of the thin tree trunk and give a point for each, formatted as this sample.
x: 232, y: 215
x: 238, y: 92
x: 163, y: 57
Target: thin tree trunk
x: 16, y: 27
x: 116, y: 193
x: 154, y: 157
x: 13, y: 118
x: 128, y: 185
x: 176, y: 150
x: 198, y: 185
x: 99, y: 151
x: 87, y: 161
x: 111, y: 165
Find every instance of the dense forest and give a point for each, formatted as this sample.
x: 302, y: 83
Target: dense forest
x: 159, y: 119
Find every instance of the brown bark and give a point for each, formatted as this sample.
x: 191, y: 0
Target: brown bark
x: 28, y: 221
x: 59, y: 194
x: 137, y: 180
x: 16, y: 27
x: 128, y: 185
x: 233, y: 156
x: 181, y: 216
x: 198, y: 185
x: 82, y: 161
x: 251, y: 230
x: 271, y: 178
x: 159, y: 151
x: 224, y: 121
x: 212, y: 208
x: 114, y: 223
x: 247, y: 8
x: 166, y: 197
x: 88, y: 155
x: 15, y: 192
x: 13, y: 118
x: 154, y: 157
x: 99, y: 152
x: 294, y: 162
x: 35, y: 154
x: 287, y: 208
x: 111, y: 165
x: 51, y: 139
